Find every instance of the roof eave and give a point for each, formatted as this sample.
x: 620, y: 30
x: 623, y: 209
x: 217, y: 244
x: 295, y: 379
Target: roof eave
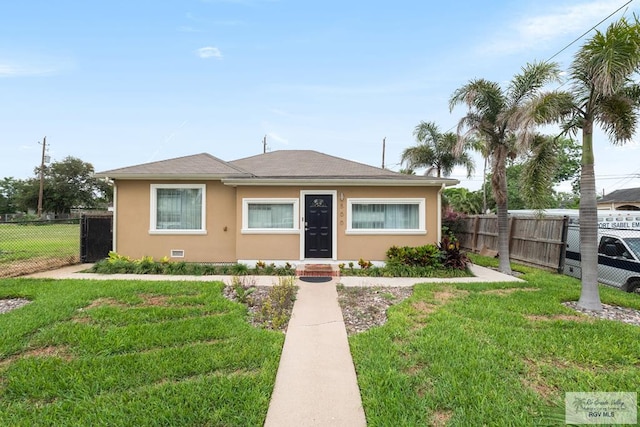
x: 351, y: 182
x: 162, y: 177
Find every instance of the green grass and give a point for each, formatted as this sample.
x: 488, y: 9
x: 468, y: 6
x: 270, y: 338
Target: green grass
x: 132, y: 353
x: 492, y: 354
x: 19, y: 242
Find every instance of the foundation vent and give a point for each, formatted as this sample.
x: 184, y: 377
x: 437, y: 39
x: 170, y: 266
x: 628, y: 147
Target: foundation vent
x: 177, y: 253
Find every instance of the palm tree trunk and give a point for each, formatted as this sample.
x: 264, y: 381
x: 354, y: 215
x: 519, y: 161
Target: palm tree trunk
x: 484, y: 186
x: 499, y: 185
x: 589, y: 296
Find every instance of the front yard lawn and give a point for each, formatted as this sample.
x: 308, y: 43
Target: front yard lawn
x: 132, y: 353
x: 492, y: 354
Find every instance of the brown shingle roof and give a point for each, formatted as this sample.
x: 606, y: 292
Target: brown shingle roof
x: 625, y: 195
x: 198, y: 165
x: 277, y: 167
x: 309, y: 164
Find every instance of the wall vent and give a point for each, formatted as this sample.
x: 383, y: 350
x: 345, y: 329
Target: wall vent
x: 177, y: 253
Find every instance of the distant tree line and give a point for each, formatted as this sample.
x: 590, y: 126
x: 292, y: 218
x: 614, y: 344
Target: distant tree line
x: 68, y: 184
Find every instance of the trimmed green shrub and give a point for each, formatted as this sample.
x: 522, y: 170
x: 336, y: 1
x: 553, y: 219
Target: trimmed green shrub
x: 418, y: 256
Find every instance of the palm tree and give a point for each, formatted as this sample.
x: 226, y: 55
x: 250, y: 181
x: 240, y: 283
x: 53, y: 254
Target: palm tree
x: 605, y: 94
x: 505, y: 120
x: 435, y: 151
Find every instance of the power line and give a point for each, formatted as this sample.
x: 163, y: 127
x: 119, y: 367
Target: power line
x: 588, y: 31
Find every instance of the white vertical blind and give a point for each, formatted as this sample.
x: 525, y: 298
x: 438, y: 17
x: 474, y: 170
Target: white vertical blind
x: 381, y: 216
x: 179, y: 208
x: 270, y: 215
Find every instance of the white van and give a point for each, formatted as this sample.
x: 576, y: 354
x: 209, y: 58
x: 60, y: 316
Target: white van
x: 618, y: 249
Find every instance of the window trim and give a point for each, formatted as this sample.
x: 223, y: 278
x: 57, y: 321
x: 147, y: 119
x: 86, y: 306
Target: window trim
x: 295, y: 202
x: 421, y: 202
x: 153, y: 215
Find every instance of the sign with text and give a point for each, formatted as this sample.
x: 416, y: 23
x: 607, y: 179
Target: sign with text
x: 601, y: 408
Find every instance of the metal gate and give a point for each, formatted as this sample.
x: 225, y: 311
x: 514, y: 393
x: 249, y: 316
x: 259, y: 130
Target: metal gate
x: 96, y: 237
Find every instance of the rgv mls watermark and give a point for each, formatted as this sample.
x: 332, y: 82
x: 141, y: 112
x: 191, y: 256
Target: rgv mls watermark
x: 601, y: 408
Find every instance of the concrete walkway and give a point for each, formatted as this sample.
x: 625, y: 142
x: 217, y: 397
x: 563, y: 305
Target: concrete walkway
x: 316, y: 383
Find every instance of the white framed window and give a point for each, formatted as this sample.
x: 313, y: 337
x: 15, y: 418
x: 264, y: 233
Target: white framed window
x: 178, y: 209
x: 386, y: 216
x: 270, y: 216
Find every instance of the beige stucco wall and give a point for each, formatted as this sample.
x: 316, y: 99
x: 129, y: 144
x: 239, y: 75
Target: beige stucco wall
x: 266, y: 246
x: 225, y: 241
x: 133, y: 222
x: 374, y: 247
x: 622, y: 206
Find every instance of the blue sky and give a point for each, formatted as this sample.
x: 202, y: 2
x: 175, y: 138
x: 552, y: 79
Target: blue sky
x: 126, y: 82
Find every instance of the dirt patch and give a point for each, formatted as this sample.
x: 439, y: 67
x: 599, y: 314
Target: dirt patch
x: 423, y: 307
x: 534, y: 381
x: 440, y: 418
x: 148, y: 300
x: 61, y: 352
x: 442, y: 297
x: 104, y: 302
x: 153, y: 300
x: 415, y: 368
x: 539, y: 387
x: 508, y: 291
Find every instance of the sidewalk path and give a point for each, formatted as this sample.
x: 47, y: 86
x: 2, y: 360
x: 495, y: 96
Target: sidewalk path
x: 316, y: 382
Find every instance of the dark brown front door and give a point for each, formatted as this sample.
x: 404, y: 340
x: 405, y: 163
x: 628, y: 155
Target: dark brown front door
x: 318, y: 226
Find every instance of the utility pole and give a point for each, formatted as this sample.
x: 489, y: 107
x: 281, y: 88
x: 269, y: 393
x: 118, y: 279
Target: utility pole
x: 264, y: 144
x: 384, y: 142
x: 41, y: 192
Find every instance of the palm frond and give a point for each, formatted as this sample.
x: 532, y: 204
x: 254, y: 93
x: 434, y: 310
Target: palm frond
x: 605, y: 62
x: 534, y: 76
x: 426, y: 132
x: 618, y: 116
x: 538, y: 171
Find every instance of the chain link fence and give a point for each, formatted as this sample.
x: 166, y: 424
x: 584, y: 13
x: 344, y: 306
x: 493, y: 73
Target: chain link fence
x: 618, y: 250
x: 31, y: 246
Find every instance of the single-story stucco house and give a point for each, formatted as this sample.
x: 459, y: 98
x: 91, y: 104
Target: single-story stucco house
x: 281, y: 206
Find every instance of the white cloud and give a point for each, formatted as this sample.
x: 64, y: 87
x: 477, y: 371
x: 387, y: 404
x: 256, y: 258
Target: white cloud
x: 12, y: 70
x: 209, y: 52
x: 536, y: 32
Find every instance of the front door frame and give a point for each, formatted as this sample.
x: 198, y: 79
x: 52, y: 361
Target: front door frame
x: 334, y: 220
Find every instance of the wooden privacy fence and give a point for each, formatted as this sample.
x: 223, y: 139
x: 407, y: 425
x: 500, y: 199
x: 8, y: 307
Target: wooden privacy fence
x: 535, y: 241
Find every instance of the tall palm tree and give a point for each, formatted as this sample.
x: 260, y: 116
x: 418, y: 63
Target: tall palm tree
x: 505, y: 120
x: 605, y: 94
x: 481, y: 146
x: 435, y: 151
